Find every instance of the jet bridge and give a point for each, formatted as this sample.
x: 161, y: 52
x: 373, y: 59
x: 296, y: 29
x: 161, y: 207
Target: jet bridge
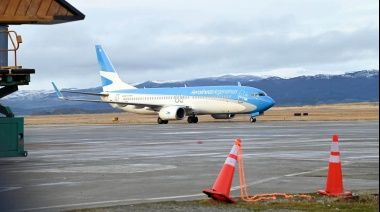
x: 17, y: 12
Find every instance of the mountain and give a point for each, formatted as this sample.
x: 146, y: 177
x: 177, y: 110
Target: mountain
x: 360, y: 86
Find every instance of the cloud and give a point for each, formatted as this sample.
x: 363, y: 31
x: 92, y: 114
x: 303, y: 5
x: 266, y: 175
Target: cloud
x: 177, y: 40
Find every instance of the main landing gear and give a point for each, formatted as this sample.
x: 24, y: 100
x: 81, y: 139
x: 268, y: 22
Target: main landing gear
x: 192, y: 119
x: 252, y: 119
x: 160, y: 121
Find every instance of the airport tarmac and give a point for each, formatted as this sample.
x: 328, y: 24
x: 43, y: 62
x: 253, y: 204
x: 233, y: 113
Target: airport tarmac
x: 87, y: 166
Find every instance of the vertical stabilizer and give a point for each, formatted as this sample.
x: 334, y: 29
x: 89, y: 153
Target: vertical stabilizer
x: 110, y: 79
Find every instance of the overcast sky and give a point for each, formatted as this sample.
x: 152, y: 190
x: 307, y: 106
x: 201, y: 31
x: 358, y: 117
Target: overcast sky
x: 162, y: 40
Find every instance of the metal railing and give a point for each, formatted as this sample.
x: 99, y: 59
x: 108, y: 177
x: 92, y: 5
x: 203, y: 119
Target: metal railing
x: 15, y: 40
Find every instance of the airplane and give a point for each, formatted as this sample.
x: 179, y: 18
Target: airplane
x: 221, y: 102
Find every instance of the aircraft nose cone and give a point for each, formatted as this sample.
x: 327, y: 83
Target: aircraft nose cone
x: 268, y: 102
x: 271, y: 102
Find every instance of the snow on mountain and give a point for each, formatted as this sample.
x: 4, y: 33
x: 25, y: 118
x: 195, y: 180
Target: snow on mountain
x: 28, y: 95
x: 363, y: 73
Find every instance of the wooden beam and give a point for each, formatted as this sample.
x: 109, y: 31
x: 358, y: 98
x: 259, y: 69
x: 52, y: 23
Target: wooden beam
x: 33, y: 7
x: 45, y: 5
x: 3, y: 6
x: 12, y: 7
x: 53, y: 9
x: 22, y: 8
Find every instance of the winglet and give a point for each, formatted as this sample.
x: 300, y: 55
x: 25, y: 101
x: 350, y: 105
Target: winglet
x: 59, y: 94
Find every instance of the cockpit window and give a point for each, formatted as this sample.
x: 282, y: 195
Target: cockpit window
x: 258, y: 94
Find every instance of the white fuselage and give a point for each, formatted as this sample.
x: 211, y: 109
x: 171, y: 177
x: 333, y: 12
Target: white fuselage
x: 199, y: 104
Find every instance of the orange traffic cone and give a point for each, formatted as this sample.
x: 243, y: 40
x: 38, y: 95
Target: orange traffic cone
x: 222, y: 186
x: 334, y: 183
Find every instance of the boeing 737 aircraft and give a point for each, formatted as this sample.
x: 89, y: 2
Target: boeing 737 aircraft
x: 221, y: 102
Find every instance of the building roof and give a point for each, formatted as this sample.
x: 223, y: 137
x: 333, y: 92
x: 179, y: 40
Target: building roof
x: 15, y: 12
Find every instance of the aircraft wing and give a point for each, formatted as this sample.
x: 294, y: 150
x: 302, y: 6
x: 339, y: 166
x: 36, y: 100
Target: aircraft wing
x: 60, y: 96
x: 86, y: 93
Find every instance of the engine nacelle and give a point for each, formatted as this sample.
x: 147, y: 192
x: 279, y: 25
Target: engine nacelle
x: 172, y: 113
x: 223, y: 116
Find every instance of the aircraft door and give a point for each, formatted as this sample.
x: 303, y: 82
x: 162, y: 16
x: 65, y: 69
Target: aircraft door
x: 243, y: 96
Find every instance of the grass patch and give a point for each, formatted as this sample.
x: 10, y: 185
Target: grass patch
x: 362, y: 203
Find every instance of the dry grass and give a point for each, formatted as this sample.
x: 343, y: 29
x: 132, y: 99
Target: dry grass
x: 362, y: 203
x: 336, y: 112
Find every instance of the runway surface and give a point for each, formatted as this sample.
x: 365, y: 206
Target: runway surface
x: 86, y: 166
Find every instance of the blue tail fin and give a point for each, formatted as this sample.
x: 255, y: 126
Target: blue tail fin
x: 110, y: 79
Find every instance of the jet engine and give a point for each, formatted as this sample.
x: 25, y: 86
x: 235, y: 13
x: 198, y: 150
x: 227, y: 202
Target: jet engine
x: 172, y: 113
x: 223, y: 116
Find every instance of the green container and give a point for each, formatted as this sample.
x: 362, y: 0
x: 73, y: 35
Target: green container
x: 12, y: 137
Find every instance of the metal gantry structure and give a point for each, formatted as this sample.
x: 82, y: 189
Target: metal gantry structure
x: 17, y: 12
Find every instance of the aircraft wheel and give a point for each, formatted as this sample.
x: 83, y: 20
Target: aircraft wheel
x: 190, y: 119
x: 160, y: 121
x: 252, y: 119
x: 166, y: 121
x: 195, y: 120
